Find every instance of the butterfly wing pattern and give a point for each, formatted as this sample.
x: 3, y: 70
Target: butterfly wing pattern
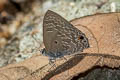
x: 60, y: 37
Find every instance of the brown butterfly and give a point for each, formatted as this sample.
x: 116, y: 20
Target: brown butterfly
x: 60, y: 37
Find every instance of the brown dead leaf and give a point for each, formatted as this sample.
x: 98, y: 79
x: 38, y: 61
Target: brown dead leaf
x: 106, y: 29
x: 103, y: 32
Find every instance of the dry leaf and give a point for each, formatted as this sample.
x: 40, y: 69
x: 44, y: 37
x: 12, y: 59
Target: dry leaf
x: 103, y: 32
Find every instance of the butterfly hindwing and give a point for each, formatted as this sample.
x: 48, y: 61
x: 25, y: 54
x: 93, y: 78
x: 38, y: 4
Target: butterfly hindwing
x: 60, y: 37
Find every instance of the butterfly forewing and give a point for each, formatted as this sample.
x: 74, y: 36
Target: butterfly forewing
x: 60, y: 37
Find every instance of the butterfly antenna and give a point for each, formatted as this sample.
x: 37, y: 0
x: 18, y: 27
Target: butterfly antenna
x: 36, y: 41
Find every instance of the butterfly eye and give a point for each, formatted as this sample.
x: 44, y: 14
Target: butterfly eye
x: 80, y: 38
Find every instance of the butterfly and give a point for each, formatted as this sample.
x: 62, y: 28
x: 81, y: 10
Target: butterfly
x: 60, y: 37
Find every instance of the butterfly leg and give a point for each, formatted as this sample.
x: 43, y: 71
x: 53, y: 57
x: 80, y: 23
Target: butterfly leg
x: 52, y: 63
x: 64, y: 58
